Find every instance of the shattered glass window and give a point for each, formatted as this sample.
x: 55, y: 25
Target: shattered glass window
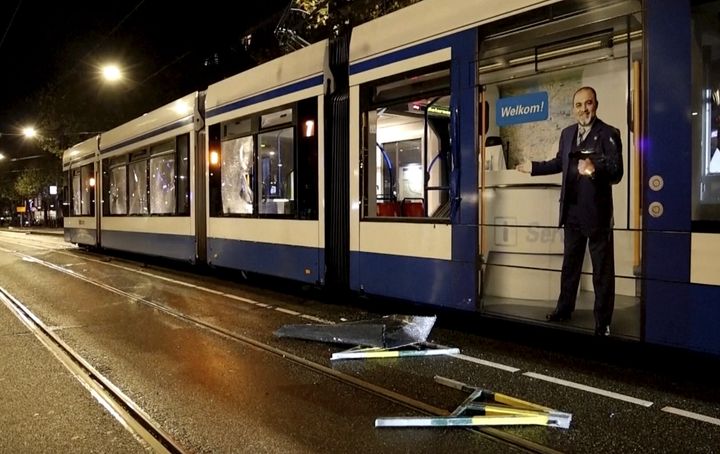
x: 137, y: 188
x: 238, y: 173
x: 162, y: 184
x: 118, y: 190
x: 83, y: 185
x: 77, y: 193
x: 265, y: 164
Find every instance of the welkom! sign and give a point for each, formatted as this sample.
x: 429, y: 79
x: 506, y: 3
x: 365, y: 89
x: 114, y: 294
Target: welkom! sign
x: 522, y: 109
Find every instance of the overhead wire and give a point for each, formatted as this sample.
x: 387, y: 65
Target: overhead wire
x: 9, y: 26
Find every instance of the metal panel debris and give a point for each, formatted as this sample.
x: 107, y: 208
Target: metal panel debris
x: 391, y: 331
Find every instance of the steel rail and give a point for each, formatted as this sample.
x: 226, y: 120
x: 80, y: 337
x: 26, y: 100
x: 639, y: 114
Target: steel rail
x: 147, y: 431
x: 389, y: 395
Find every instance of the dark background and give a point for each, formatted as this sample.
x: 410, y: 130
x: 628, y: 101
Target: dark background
x: 51, y: 53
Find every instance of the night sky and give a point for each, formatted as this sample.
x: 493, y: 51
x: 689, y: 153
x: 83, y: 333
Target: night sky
x: 167, y: 50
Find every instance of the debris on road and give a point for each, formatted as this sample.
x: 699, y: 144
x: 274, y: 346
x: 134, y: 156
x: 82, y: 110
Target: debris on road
x: 484, y: 408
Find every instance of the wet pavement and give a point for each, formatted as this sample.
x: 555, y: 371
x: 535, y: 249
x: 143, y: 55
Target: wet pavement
x: 43, y: 408
x: 216, y: 393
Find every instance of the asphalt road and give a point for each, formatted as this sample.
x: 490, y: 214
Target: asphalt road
x: 198, y: 354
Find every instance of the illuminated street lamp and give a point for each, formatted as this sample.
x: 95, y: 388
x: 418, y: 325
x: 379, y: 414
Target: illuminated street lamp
x: 28, y: 132
x: 111, y: 73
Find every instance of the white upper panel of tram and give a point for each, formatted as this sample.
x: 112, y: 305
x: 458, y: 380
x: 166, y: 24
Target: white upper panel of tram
x: 167, y: 121
x: 429, y: 19
x: 79, y: 153
x: 292, y: 77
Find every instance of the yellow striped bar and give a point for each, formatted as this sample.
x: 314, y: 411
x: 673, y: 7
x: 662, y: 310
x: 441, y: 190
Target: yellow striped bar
x: 462, y: 421
x: 360, y: 354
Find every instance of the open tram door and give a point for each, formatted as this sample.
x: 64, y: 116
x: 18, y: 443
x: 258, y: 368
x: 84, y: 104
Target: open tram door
x: 527, y: 78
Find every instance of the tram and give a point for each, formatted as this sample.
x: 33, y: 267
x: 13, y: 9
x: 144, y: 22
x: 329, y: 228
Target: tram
x: 382, y: 162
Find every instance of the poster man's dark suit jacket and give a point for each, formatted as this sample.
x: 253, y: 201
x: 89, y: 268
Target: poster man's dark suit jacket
x: 604, y: 141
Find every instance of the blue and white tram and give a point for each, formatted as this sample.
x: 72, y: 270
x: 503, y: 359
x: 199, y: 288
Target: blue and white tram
x: 146, y: 167
x: 382, y: 162
x: 79, y: 164
x: 144, y: 188
x: 264, y: 185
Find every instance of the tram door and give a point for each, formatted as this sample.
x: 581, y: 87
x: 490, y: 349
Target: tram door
x: 527, y: 79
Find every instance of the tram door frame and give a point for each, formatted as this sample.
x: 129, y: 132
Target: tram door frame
x: 499, y: 47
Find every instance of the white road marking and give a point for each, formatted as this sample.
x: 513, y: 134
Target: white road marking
x: 286, y: 311
x: 590, y: 389
x: 693, y: 415
x: 315, y: 319
x: 483, y: 362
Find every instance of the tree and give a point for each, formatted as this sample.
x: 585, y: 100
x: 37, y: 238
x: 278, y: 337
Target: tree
x: 29, y: 183
x: 8, y: 195
x: 318, y: 19
x: 70, y: 115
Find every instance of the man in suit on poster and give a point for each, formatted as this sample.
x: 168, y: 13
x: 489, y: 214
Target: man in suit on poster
x: 590, y: 159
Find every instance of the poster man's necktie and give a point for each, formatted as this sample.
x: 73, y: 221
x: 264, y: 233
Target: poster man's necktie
x: 582, y: 132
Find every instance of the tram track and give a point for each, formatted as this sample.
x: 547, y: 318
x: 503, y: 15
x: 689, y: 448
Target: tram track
x: 147, y: 431
x: 410, y: 403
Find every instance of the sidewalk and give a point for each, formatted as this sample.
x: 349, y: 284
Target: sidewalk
x: 36, y: 230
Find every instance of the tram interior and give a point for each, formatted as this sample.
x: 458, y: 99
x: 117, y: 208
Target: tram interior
x: 521, y: 246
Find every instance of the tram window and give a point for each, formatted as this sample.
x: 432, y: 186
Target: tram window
x: 115, y: 185
x: 401, y: 161
x: 706, y: 116
x: 117, y: 196
x: 156, y: 181
x: 76, y: 193
x: 265, y: 164
x: 162, y: 184
x: 406, y: 145
x: 137, y: 187
x: 276, y: 165
x: 83, y: 190
x: 238, y: 173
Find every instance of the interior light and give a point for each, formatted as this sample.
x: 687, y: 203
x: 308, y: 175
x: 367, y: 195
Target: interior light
x: 214, y: 158
x: 92, y: 182
x: 309, y: 128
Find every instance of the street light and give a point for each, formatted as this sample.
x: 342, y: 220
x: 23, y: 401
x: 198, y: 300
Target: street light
x: 111, y: 73
x: 28, y: 132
